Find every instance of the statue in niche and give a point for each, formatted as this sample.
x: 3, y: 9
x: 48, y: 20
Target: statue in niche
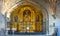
x: 16, y: 18
x: 37, y: 19
x: 27, y: 14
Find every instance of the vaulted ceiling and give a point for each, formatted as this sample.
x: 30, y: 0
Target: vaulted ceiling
x: 46, y: 3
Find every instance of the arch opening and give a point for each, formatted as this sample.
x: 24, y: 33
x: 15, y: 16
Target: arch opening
x: 28, y: 19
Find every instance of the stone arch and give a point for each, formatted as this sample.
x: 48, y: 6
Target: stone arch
x: 44, y: 11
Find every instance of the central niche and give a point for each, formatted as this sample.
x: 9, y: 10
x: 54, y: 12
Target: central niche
x: 26, y: 18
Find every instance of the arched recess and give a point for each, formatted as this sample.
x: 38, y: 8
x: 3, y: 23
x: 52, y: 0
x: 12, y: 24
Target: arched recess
x: 35, y: 10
